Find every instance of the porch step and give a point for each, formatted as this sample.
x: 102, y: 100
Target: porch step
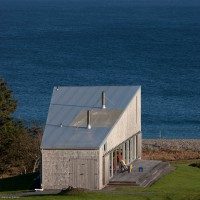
x: 123, y: 184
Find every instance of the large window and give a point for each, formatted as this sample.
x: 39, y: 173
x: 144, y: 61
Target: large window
x: 127, y: 151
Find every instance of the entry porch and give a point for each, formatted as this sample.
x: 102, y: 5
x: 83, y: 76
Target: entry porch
x: 144, y: 173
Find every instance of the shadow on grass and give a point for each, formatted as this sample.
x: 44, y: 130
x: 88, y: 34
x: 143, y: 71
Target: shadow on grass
x: 18, y: 183
x: 72, y: 191
x: 195, y: 165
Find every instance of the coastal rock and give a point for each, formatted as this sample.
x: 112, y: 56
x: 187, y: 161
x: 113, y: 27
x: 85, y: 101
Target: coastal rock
x: 171, y: 149
x: 171, y: 144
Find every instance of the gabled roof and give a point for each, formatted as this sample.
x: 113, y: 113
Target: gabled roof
x: 69, y: 106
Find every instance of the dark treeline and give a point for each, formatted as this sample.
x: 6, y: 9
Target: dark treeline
x: 19, y: 143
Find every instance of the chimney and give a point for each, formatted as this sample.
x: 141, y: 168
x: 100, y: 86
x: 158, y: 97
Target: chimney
x: 103, y: 100
x: 89, y: 119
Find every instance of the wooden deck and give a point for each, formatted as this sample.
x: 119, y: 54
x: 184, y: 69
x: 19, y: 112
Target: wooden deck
x: 152, y: 170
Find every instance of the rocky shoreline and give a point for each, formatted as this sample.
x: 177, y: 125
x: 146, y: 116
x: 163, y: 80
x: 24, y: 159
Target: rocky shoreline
x: 171, y: 144
x: 171, y: 149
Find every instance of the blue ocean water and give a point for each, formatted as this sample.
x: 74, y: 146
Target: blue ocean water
x: 152, y: 43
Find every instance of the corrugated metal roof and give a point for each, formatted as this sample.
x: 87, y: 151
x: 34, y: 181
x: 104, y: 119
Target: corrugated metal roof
x: 67, y: 107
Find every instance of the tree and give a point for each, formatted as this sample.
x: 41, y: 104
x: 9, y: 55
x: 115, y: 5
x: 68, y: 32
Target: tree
x: 25, y: 152
x: 29, y: 153
x: 8, y: 105
x: 19, y: 145
x: 7, y: 125
x: 35, y: 132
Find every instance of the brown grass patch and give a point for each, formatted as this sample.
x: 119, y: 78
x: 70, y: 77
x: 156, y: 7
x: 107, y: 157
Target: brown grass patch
x: 170, y: 155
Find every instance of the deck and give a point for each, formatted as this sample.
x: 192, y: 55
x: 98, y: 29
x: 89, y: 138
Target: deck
x: 152, y: 171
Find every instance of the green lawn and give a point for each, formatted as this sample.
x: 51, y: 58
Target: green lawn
x: 181, y: 184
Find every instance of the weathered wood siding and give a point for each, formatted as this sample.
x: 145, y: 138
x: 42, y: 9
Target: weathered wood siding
x: 128, y: 125
x: 107, y: 170
x: 76, y: 168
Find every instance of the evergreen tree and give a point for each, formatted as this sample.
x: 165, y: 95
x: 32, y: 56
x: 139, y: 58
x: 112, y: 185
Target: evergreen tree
x: 19, y: 145
x: 8, y: 105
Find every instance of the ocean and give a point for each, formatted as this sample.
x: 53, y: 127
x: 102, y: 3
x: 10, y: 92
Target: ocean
x: 152, y: 43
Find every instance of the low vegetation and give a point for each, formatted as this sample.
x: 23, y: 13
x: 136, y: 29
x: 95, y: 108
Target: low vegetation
x: 170, y: 155
x: 197, y: 164
x: 171, y: 149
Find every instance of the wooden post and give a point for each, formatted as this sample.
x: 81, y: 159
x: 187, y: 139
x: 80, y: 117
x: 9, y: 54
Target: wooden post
x: 123, y: 152
x: 131, y: 149
x: 115, y: 161
x: 127, y: 152
x: 111, y: 164
x: 134, y: 147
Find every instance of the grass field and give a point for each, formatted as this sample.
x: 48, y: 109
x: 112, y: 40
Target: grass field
x: 181, y: 184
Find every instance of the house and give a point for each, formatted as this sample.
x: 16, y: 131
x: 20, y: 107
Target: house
x: 88, y: 131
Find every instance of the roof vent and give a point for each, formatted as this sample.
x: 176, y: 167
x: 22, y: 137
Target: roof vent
x: 103, y: 100
x: 89, y: 119
x: 57, y: 88
x: 61, y: 125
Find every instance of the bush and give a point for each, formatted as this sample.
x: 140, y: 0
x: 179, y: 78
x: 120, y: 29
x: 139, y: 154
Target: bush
x: 195, y: 165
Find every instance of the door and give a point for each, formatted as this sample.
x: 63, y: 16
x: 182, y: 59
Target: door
x: 83, y: 173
